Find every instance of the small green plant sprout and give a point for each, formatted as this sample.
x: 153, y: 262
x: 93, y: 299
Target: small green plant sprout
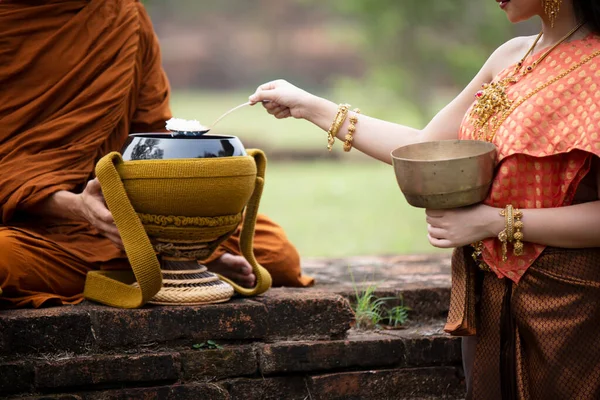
x: 208, y: 345
x: 372, y: 312
x: 398, y: 315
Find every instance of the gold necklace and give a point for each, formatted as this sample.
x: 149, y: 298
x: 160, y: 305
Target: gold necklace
x: 492, y: 100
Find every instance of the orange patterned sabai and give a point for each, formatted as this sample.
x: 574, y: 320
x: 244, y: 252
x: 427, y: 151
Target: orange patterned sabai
x: 546, y: 143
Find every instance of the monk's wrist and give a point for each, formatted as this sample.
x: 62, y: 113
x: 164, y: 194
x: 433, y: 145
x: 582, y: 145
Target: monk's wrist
x: 61, y: 204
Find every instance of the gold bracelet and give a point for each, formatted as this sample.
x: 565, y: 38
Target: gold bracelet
x: 518, y: 236
x: 507, y: 234
x: 510, y: 220
x: 351, y: 129
x: 337, y: 123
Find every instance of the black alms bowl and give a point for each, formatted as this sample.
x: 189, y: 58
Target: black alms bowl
x: 163, y: 146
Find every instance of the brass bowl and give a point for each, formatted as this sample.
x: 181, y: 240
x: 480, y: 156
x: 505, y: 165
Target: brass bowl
x: 445, y: 174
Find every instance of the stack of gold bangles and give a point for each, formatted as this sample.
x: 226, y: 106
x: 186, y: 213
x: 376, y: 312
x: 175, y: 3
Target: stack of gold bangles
x: 512, y: 231
x: 336, y: 125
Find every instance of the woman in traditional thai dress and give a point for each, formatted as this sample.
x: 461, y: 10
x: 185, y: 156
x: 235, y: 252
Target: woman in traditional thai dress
x: 527, y: 260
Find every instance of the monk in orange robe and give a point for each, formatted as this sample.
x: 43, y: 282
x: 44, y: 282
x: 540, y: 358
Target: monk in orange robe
x: 77, y: 78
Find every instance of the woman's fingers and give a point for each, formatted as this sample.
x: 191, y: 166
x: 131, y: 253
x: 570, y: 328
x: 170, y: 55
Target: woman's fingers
x: 265, y: 92
x: 271, y: 105
x: 283, y: 114
x: 434, y: 213
x: 439, y: 243
x: 436, y: 232
x: 277, y: 110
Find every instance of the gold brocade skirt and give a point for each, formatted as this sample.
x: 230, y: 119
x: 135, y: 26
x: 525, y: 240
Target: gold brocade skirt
x: 539, y: 339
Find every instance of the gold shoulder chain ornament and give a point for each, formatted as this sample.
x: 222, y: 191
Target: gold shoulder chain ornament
x: 492, y: 102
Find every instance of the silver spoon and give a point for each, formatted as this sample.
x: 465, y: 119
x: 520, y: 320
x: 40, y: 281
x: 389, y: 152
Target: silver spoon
x: 203, y: 131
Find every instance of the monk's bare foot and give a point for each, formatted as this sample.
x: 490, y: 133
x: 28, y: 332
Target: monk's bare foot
x: 235, y: 268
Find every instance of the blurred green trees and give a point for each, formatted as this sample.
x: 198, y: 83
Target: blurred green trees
x: 417, y: 47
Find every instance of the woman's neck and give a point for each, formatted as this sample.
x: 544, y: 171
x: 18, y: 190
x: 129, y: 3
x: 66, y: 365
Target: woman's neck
x: 565, y: 22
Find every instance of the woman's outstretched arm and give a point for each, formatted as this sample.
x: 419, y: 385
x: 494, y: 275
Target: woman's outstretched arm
x: 375, y: 137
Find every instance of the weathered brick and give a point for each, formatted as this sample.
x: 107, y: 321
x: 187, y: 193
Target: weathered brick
x: 205, y: 391
x: 228, y: 362
x: 283, y: 388
x: 49, y: 330
x: 208, y: 391
x: 15, y: 377
x: 86, y: 371
x: 361, y: 350
x: 427, y: 302
x: 52, y: 397
x: 237, y: 319
x: 433, y: 350
x: 301, y: 313
x: 436, y: 382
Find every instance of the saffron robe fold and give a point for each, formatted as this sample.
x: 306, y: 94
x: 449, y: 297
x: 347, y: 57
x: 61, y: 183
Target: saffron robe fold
x: 77, y: 77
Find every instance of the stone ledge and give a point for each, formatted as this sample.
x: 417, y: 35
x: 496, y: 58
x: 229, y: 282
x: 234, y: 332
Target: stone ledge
x: 420, y: 346
x: 93, y: 328
x: 203, y: 391
x: 114, y: 370
x: 393, y: 384
x: 287, y: 344
x: 423, y: 281
x: 408, y: 272
x: 401, y: 348
x: 232, y: 361
x: 397, y: 384
x: 306, y: 313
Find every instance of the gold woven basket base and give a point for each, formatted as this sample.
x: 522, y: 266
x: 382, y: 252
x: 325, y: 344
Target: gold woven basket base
x: 186, y: 283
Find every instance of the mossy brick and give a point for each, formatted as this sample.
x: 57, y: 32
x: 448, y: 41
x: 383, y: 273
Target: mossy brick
x: 397, y: 384
x: 440, y: 350
x: 15, y: 377
x: 85, y: 371
x: 304, y: 314
x: 234, y: 320
x: 46, y: 330
x: 426, y: 302
x: 231, y: 361
x: 359, y: 351
x: 196, y: 391
x: 279, y: 388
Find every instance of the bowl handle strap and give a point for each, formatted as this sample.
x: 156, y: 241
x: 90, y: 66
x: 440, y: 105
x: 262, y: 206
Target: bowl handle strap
x: 263, y: 278
x: 115, y: 288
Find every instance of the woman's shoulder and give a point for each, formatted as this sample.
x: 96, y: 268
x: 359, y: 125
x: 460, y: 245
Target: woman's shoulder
x: 509, y: 53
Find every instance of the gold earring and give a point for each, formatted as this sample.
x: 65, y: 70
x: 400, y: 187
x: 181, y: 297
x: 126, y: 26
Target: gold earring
x: 552, y: 8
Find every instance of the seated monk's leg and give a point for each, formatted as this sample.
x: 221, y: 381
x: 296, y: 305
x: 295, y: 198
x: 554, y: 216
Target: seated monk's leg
x: 35, y: 272
x: 272, y: 250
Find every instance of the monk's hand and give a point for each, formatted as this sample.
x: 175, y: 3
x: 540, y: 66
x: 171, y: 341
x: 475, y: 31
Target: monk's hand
x: 282, y: 99
x: 462, y: 226
x: 93, y: 209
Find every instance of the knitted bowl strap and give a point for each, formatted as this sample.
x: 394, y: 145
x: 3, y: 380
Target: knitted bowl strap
x: 263, y: 278
x: 114, y: 287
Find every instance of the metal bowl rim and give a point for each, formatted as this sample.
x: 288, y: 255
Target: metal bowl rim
x: 492, y: 149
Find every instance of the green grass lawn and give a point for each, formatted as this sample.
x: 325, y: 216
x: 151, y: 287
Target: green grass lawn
x: 342, y: 209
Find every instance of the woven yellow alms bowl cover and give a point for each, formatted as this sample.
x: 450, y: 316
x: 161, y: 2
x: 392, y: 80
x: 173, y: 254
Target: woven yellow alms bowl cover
x: 177, y: 208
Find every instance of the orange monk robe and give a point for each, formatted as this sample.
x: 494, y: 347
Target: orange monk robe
x: 77, y: 77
